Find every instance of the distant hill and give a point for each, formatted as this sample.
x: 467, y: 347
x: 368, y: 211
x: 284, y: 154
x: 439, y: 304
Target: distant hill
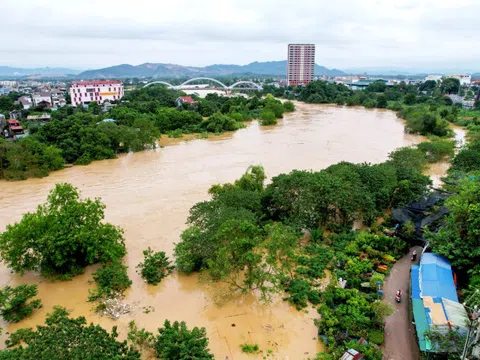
x: 274, y: 68
x: 18, y: 72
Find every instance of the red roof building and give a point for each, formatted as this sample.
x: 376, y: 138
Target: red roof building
x: 185, y: 100
x: 13, y: 122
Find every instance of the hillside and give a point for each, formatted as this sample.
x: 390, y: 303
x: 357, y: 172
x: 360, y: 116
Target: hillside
x: 274, y: 68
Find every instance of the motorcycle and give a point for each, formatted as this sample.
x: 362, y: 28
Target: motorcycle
x: 398, y: 296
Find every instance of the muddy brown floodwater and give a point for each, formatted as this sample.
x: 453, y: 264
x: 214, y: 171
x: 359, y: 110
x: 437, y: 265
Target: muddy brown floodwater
x: 150, y: 193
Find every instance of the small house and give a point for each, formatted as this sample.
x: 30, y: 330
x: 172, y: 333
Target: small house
x: 14, y: 128
x: 352, y: 354
x: 42, y: 118
x: 185, y: 100
x: 434, y: 300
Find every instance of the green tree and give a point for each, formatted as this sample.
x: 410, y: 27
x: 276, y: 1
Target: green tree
x: 176, y: 342
x: 67, y: 338
x: 289, y: 106
x: 450, y: 86
x: 459, y: 240
x: 382, y: 102
x: 428, y: 85
x: 15, y: 302
x: 62, y: 236
x: 267, y: 118
x: 410, y: 99
x: 155, y: 266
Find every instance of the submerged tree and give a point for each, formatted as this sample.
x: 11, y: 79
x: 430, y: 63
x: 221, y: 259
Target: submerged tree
x: 176, y: 342
x: 15, y: 302
x: 62, y: 236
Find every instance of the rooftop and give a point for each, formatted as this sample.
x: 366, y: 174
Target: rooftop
x: 187, y: 99
x: 96, y: 82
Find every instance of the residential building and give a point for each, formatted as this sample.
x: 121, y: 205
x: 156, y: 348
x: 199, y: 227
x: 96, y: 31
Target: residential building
x: 301, y: 64
x: 15, y: 130
x: 4, y: 91
x: 58, y: 99
x: 84, y: 92
x: 25, y: 101
x: 185, y: 100
x: 435, y: 301
x: 352, y: 354
x: 43, y: 118
x: 434, y: 77
x: 15, y: 114
x: 8, y: 83
x: 42, y: 98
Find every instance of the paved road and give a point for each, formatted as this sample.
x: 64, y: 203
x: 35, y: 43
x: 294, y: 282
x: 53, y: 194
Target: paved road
x: 400, y: 343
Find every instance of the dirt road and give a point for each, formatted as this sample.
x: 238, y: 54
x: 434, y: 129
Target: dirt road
x: 400, y: 343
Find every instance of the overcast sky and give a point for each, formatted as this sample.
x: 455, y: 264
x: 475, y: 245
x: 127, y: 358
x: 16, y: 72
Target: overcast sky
x: 415, y: 34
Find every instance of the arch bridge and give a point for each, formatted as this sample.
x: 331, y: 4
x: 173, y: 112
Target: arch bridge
x: 245, y: 85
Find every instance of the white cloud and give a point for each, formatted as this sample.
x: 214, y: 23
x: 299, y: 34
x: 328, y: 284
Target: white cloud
x: 348, y: 33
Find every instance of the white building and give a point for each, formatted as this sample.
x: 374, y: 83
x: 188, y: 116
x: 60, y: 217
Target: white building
x: 84, y: 92
x: 464, y: 79
x: 434, y: 77
x: 25, y: 101
x: 42, y: 96
x: 8, y: 83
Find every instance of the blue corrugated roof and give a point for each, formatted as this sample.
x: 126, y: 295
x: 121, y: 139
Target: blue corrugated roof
x: 436, y: 278
x: 415, y: 282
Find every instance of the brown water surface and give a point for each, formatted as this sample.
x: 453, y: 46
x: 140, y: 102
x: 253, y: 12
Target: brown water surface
x: 150, y: 193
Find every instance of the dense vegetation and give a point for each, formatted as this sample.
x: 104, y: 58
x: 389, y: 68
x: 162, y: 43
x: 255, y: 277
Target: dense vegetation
x: 67, y: 338
x: 80, y: 136
x: 28, y: 157
x: 62, y: 236
x: 15, y: 303
x: 252, y: 237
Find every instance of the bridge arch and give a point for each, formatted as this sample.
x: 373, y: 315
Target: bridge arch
x: 256, y: 86
x: 204, y: 78
x: 170, y: 86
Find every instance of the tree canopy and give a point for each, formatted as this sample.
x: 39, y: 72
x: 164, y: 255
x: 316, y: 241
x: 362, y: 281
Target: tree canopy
x: 63, y: 337
x: 62, y: 236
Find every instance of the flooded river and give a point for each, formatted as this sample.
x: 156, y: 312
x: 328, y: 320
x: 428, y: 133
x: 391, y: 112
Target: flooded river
x: 150, y: 193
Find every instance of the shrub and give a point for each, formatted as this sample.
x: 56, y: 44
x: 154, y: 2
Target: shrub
x: 267, y: 117
x: 175, y: 134
x: 15, y: 304
x: 155, y: 266
x: 250, y: 348
x: 111, y: 279
x: 289, y: 106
